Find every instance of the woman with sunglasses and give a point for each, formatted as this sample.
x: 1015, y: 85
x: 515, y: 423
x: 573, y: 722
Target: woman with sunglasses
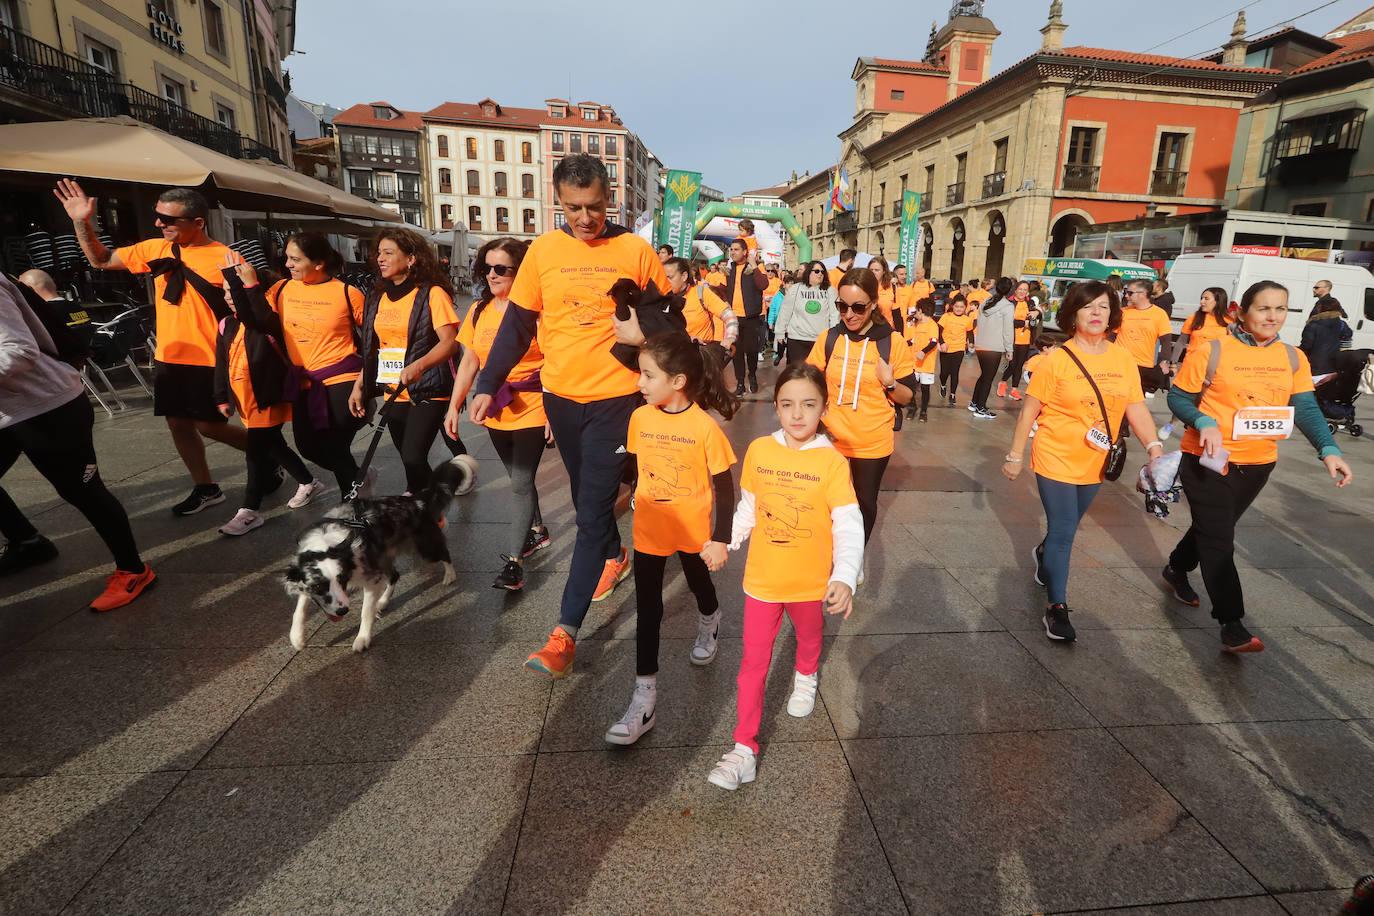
x: 516, y: 422
x: 807, y: 312
x: 887, y: 294
x: 868, y: 368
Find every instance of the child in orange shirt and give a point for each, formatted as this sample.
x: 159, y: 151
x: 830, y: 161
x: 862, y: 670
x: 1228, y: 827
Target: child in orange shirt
x: 797, y: 499
x: 684, y: 466
x: 923, y: 336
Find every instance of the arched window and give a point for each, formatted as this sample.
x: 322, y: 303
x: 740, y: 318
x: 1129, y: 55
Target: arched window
x: 527, y: 152
x: 446, y: 216
x: 502, y: 219
x: 443, y: 146
x: 474, y: 182
x: 501, y: 189
x: 475, y: 219
x: 500, y: 150
x: 527, y: 186
x: 527, y: 218
x: 445, y: 181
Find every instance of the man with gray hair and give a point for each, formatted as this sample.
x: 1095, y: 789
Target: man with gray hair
x: 189, y: 298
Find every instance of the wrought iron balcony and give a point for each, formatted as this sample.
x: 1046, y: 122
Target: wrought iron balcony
x: 1081, y: 177
x: 1168, y: 182
x: 408, y: 195
x: 954, y: 194
x: 994, y: 184
x: 365, y: 191
x: 846, y: 221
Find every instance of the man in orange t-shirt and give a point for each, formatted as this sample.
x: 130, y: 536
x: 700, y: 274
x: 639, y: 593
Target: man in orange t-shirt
x: 1145, y: 331
x: 562, y: 292
x: 846, y: 262
x: 189, y: 300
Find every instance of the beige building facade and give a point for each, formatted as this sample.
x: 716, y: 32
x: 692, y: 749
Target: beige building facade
x: 483, y: 168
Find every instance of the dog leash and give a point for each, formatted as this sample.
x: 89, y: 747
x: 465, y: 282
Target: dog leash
x: 380, y: 427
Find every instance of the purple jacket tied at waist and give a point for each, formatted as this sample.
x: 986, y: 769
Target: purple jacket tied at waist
x: 317, y: 397
x: 506, y: 393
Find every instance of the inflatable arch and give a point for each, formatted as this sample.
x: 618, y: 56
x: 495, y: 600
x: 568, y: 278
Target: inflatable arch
x: 742, y: 211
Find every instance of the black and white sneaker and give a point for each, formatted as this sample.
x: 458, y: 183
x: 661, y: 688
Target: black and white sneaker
x: 1179, y: 585
x: 512, y: 577
x: 944, y: 390
x: 537, y: 539
x: 638, y: 719
x: 1039, y: 554
x: 1057, y: 624
x: 708, y: 635
x: 203, y: 496
x: 982, y: 413
x: 951, y: 400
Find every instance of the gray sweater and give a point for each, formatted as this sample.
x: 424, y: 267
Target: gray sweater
x: 807, y: 312
x: 996, y: 330
x: 31, y: 381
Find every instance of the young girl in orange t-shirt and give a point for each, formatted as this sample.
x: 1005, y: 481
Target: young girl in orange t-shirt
x: 684, y: 467
x: 797, y: 500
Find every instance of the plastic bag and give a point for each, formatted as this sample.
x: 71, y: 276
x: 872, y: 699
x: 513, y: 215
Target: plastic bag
x: 1158, y: 481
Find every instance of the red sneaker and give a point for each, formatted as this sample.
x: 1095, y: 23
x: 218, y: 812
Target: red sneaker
x: 1001, y: 389
x: 1016, y: 394
x: 122, y: 587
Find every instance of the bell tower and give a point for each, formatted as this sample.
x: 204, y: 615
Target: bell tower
x: 964, y: 46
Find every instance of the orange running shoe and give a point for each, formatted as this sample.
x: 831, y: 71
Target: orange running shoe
x: 122, y: 587
x: 1016, y: 394
x: 614, y: 573
x: 556, y: 658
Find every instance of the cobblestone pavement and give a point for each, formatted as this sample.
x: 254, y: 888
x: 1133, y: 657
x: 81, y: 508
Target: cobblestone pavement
x: 177, y: 756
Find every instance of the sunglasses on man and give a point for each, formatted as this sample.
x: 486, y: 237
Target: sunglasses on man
x: 168, y: 218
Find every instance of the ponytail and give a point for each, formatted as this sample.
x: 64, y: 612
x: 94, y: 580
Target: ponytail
x: 677, y: 354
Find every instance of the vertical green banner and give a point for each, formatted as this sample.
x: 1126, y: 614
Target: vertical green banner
x: 909, y: 248
x: 680, y: 211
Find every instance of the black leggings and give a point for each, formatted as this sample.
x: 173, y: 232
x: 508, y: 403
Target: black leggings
x: 520, y: 451
x: 925, y: 402
x: 747, y: 348
x: 1012, y: 373
x: 59, y: 445
x: 265, y: 451
x: 988, y: 363
x: 867, y: 474
x: 798, y: 350
x: 331, y: 447
x: 413, y: 427
x: 950, y: 364
x: 649, y: 570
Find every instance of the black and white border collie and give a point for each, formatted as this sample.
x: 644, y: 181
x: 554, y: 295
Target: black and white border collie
x: 362, y: 540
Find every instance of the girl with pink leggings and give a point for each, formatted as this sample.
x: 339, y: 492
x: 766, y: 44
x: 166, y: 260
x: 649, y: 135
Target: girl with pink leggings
x: 797, y: 500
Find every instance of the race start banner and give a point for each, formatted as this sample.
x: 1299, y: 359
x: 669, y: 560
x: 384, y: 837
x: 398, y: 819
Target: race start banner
x: 909, y: 247
x: 680, y: 211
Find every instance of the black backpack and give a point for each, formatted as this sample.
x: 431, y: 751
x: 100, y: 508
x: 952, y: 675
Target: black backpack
x: 832, y: 336
x: 71, y: 348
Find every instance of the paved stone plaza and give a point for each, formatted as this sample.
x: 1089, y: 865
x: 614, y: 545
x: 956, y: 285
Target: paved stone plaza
x: 176, y: 756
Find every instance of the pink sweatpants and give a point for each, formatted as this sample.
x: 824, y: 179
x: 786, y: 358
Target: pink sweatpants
x: 762, y: 619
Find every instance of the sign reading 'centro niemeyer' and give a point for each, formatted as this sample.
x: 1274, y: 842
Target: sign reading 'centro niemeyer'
x: 165, y: 29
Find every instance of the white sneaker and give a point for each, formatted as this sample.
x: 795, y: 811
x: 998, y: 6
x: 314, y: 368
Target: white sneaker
x: 638, y: 719
x: 734, y: 770
x: 369, y: 483
x: 972, y: 407
x: 1166, y: 431
x: 803, y: 698
x: 1150, y: 395
x: 305, y: 493
x: 242, y: 523
x: 708, y: 634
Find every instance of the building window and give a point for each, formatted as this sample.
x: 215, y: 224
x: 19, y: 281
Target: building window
x: 173, y: 91
x: 445, y: 181
x: 930, y: 180
x: 559, y: 220
x: 408, y: 147
x: 412, y: 215
x: 556, y: 141
x: 100, y: 56
x: 611, y: 146
x: 499, y: 147
x: 163, y: 6
x: 370, y: 145
x: 409, y: 186
x: 527, y: 152
x: 896, y: 95
x: 471, y: 147
x: 528, y: 221
x: 446, y: 216
x: 1337, y: 130
x: 999, y: 155
x: 527, y: 186
x: 501, y: 189
x: 475, y: 219
x: 1169, y: 175
x: 443, y: 146
x: 574, y: 143
x: 502, y: 219
x: 216, y: 39
x: 225, y: 116
x: 1317, y: 209
x: 589, y: 114
x: 594, y: 144
x: 386, y: 185
x: 382, y: 113
x: 360, y: 181
x: 557, y: 111
x: 612, y: 171
x: 1080, y: 168
x: 474, y: 182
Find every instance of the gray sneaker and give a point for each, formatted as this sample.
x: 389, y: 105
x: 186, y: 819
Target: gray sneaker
x: 708, y: 635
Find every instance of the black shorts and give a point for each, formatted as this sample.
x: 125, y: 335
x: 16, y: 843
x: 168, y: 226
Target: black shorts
x: 185, y: 391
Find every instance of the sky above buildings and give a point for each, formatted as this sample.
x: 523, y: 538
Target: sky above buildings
x: 742, y: 92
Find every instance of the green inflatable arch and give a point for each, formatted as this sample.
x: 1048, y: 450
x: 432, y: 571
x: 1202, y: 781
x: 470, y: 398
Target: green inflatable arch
x: 741, y: 211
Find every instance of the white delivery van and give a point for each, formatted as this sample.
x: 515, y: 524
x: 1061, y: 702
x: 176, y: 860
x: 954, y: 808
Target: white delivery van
x: 1352, y: 285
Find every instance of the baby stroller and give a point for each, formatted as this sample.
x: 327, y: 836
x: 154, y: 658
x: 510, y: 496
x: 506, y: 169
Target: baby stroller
x: 1336, y: 395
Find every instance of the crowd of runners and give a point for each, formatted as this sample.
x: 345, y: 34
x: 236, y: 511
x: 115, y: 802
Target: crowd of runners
x: 536, y: 361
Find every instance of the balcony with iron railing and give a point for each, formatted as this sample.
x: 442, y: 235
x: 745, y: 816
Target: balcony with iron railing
x: 954, y: 194
x: 1081, y: 177
x: 365, y: 191
x: 1168, y: 182
x: 66, y: 84
x: 408, y: 194
x: 994, y: 184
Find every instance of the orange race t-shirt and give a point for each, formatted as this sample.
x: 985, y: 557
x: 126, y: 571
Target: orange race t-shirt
x: 678, y: 454
x: 568, y: 281
x: 702, y: 309
x: 1031, y: 364
x: 977, y: 297
x: 1140, y: 329
x: 887, y: 304
x: 792, y: 547
x: 774, y: 285
x: 241, y: 390
x: 1208, y: 332
x: 319, y: 329
x: 477, y: 334
x: 186, y: 333
x: 835, y: 275
x: 1246, y: 377
x: 917, y: 290
x: 920, y: 334
x: 1022, y: 311
x: 1060, y: 449
x: 956, y: 329
x: 392, y: 324
x: 715, y: 278
x: 862, y: 429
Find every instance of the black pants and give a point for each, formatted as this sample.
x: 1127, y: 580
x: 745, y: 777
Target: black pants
x: 925, y: 402
x: 1217, y: 503
x: 747, y: 348
x: 521, y: 451
x: 413, y: 427
x: 798, y: 350
x: 265, y: 451
x: 867, y: 474
x: 649, y: 570
x: 1012, y: 373
x: 988, y: 363
x: 950, y: 364
x: 331, y: 447
x: 591, y: 440
x: 59, y: 445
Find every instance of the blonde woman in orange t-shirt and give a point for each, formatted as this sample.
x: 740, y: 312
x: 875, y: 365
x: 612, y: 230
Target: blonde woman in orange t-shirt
x: 1067, y: 396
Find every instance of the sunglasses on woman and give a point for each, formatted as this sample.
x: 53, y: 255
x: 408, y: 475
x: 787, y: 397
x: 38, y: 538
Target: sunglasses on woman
x: 858, y: 308
x: 500, y: 270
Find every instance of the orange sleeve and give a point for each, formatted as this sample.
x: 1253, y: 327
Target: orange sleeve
x: 1302, y: 379
x: 632, y: 434
x: 719, y: 455
x: 465, y: 330
x: 441, y: 310
x: 137, y: 255
x: 1194, y: 371
x: 817, y: 355
x: 1043, y: 382
x: 746, y: 474
x: 356, y: 301
x: 839, y: 490
x: 651, y: 269
x: 527, y: 290
x: 902, y: 362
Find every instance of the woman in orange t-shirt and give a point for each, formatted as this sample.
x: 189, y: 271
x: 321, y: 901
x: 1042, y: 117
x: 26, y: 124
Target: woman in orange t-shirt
x: 1197, y: 331
x: 887, y: 294
x: 1023, y: 318
x: 709, y: 317
x: 1260, y: 388
x: 516, y: 422
x: 1073, y: 436
x: 410, y: 332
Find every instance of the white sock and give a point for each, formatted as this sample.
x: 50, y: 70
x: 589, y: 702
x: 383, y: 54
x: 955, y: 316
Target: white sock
x: 647, y: 684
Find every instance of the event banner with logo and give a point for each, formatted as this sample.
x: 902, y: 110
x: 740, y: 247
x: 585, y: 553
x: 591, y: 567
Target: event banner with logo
x: 680, y: 211
x: 909, y: 248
